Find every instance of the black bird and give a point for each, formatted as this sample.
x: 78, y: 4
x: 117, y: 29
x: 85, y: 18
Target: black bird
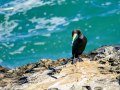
x: 78, y: 45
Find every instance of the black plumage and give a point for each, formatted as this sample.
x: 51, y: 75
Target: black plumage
x: 79, y: 44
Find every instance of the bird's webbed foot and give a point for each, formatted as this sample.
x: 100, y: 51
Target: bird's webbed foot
x: 76, y: 60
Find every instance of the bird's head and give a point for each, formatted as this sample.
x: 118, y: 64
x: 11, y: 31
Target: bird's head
x: 75, y: 33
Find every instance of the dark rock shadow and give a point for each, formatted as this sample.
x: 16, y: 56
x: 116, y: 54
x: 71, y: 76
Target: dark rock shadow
x: 51, y: 73
x: 86, y: 88
x: 22, y: 80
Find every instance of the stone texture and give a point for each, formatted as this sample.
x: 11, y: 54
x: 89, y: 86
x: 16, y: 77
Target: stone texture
x: 86, y: 88
x: 100, y: 70
x: 3, y: 69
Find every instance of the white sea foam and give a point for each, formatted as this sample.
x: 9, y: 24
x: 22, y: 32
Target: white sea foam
x: 102, y: 4
x: 54, y: 22
x: 75, y: 19
x: 97, y: 37
x: 90, y: 26
x: 45, y: 13
x: 11, y: 45
x: 86, y: 1
x: 109, y: 12
x: 20, y: 28
x: 67, y: 23
x: 108, y: 3
x: 5, y: 45
x: 39, y: 43
x: 30, y: 30
x: 73, y: 1
x: 86, y: 29
x: 8, y: 8
x: 20, y: 5
x: 47, y: 35
x: 79, y: 15
x: 58, y: 28
x: 7, y: 27
x: 18, y: 51
x: 16, y: 6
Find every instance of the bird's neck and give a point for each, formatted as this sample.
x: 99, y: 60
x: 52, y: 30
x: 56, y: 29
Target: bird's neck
x: 80, y: 36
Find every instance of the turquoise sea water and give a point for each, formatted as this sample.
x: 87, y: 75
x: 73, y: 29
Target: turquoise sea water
x: 35, y: 29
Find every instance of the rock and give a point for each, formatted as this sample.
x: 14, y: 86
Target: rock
x: 60, y: 62
x: 50, y: 64
x: 86, y: 88
x: 10, y: 71
x: 99, y: 70
x: 3, y: 69
x: 58, y: 69
x: 22, y: 80
x: 72, y: 88
x: 109, y: 51
x: 104, y: 69
x: 26, y: 68
x: 109, y: 55
x: 44, y: 63
x: 39, y: 69
x: 93, y: 53
x: 98, y: 88
x: 52, y: 89
x: 2, y: 83
x: 118, y: 77
x: 2, y: 76
x: 47, y: 72
x: 19, y: 73
x: 57, y: 76
x: 84, y: 55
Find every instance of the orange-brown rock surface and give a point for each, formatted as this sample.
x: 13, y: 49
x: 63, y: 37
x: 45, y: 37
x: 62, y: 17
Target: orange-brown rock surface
x: 100, y: 70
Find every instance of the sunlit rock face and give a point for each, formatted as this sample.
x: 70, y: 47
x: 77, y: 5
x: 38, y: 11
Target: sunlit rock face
x: 97, y: 72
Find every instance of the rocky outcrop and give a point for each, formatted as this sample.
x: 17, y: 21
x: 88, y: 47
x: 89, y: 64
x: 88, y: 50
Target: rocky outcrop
x: 100, y: 70
x: 3, y: 69
x: 17, y: 75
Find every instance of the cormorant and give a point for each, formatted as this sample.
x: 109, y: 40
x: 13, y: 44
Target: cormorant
x: 78, y: 45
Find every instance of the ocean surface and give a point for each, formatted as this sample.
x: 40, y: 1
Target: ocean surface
x: 31, y: 30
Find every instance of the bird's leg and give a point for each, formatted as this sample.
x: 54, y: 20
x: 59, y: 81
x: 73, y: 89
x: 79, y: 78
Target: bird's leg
x: 74, y: 59
x: 80, y: 59
x: 74, y: 56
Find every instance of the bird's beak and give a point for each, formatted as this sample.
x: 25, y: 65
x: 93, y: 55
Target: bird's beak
x: 74, y: 37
